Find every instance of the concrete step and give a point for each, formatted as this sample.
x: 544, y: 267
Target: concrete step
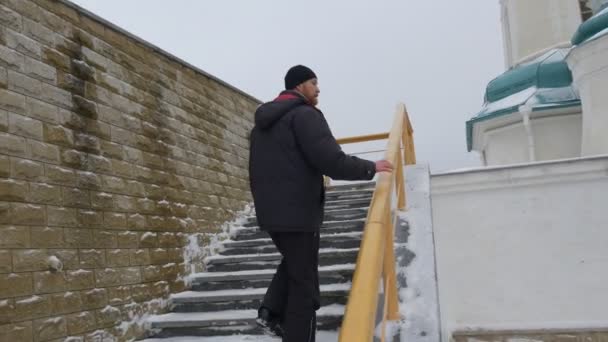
x: 230, y: 322
x: 330, y: 215
x: 205, y: 301
x: 211, y: 281
x: 220, y: 263
x: 255, y: 303
x: 352, y: 186
x: 332, y: 227
x: 348, y: 204
x: 257, y: 246
x: 348, y: 195
x: 243, y: 294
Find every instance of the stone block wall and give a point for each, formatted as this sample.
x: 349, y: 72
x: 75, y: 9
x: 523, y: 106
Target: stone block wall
x: 112, y: 154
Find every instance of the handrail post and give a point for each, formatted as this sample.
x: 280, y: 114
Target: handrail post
x: 401, y: 200
x: 390, y: 276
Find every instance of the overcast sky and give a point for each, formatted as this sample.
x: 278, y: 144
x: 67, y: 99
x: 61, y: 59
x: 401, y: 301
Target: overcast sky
x: 435, y: 56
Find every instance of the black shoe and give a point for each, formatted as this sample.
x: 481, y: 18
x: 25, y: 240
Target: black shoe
x: 269, y: 323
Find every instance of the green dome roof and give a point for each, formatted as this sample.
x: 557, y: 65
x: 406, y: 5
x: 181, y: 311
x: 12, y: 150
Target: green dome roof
x: 593, y: 28
x: 543, y: 83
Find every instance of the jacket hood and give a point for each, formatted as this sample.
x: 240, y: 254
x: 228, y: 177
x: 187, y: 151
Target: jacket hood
x: 269, y: 113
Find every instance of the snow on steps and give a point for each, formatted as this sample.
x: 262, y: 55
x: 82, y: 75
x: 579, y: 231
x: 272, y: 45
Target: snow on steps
x: 225, y: 318
x: 244, y: 294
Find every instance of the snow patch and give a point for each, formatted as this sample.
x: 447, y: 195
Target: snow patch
x: 194, y: 254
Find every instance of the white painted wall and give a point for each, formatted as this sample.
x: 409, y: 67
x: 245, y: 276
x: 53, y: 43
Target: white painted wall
x: 556, y: 135
x: 523, y: 246
x: 506, y: 145
x: 589, y: 65
x: 529, y: 26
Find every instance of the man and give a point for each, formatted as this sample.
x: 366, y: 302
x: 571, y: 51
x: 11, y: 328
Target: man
x: 292, y: 148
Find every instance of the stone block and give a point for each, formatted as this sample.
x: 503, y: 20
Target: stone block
x: 47, y: 237
x: 12, y: 101
x: 41, y: 71
x: 44, y: 152
x: 92, y: 258
x: 11, y: 59
x: 102, y: 200
x: 27, y: 214
x: 60, y: 175
x: 49, y: 328
x: 115, y: 220
x: 25, y: 126
x: 49, y: 282
x: 26, y: 260
x: 15, y: 285
x: 58, y: 135
x: 68, y: 302
x: 90, y: 218
x: 128, y: 239
x: 17, y: 331
x: 62, y: 217
x: 5, y: 166
x: 119, y: 295
x: 75, y: 197
x: 80, y: 279
x: 6, y: 261
x: 13, y: 190
x: 94, y: 299
x: 118, y: 257
x: 13, y: 145
x: 28, y: 308
x: 137, y: 221
x: 139, y: 257
x: 148, y: 240
x: 41, y: 110
x: 22, y: 84
x: 105, y: 239
x: 26, y: 169
x: 11, y: 19
x: 78, y: 238
x: 81, y: 322
x: 56, y: 96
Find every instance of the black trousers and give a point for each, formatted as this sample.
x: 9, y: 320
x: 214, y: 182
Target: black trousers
x: 293, y: 293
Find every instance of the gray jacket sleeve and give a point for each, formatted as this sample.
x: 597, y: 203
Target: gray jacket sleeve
x: 322, y: 151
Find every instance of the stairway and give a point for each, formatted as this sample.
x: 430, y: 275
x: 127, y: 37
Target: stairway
x: 224, y: 300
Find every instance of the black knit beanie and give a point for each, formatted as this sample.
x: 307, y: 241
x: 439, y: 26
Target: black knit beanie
x: 298, y: 75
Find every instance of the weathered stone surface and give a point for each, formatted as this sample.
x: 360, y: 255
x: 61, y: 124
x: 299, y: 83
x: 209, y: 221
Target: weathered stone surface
x: 15, y: 285
x: 14, y: 237
x: 29, y: 260
x: 92, y: 258
x: 47, y: 237
x: 27, y: 214
x: 32, y: 307
x: 80, y: 279
x: 17, y: 332
x: 67, y: 302
x: 94, y: 299
x: 26, y: 169
x: 108, y: 154
x: 6, y: 261
x: 49, y: 328
x: 49, y: 282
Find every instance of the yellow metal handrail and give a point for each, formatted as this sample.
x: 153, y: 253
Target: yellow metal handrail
x: 376, y: 257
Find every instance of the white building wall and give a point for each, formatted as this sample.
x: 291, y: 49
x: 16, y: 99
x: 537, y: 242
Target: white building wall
x: 522, y: 247
x: 530, y: 26
x: 589, y: 65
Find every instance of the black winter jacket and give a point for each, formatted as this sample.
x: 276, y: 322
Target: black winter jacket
x: 291, y: 149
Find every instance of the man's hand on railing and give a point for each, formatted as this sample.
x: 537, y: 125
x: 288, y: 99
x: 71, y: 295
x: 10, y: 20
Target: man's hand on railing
x: 384, y: 166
